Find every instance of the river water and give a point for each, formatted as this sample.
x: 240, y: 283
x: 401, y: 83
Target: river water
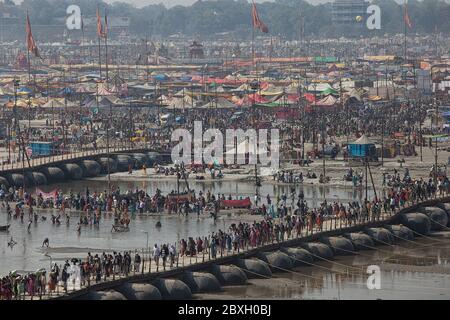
x: 314, y: 194
x: 419, y: 270
x: 65, y: 243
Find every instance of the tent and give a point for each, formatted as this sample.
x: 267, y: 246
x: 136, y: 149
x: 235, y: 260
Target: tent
x: 362, y: 148
x: 160, y: 77
x: 59, y: 103
x: 24, y: 91
x: 181, y: 103
x: 256, y: 98
x: 245, y: 148
x: 84, y: 89
x: 309, y: 97
x: 220, y: 103
x: 318, y: 87
x: 329, y: 91
x: 355, y: 95
x: 328, y: 101
x: 103, y: 92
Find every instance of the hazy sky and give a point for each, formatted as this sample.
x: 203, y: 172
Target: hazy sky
x: 171, y: 3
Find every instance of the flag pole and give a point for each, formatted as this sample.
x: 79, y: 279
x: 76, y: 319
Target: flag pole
x: 253, y: 45
x: 82, y: 38
x: 28, y: 50
x: 99, y: 46
x: 29, y: 64
x: 106, y: 49
x: 404, y: 23
x: 99, y: 57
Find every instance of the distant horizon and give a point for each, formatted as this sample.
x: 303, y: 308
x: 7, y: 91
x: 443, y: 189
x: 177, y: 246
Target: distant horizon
x: 172, y: 3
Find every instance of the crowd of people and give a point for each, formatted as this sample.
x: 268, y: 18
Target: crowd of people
x: 281, y: 221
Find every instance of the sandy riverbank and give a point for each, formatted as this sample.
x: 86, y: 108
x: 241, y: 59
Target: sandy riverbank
x: 335, y: 169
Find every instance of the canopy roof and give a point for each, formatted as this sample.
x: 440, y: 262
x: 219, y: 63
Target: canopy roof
x: 363, y: 140
x: 220, y: 103
x: 327, y: 101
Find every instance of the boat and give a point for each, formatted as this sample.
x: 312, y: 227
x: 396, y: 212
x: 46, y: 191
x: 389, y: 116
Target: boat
x: 120, y: 228
x: 4, y: 228
x: 236, y: 204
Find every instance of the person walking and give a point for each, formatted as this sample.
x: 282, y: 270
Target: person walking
x: 156, y: 255
x: 137, y: 262
x: 172, y: 255
x: 164, y: 255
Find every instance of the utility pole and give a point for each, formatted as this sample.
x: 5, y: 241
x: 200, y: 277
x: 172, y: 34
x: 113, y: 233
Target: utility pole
x: 366, y: 177
x: 436, y: 148
x: 108, y: 166
x: 382, y: 140
x: 323, y: 148
x: 421, y: 141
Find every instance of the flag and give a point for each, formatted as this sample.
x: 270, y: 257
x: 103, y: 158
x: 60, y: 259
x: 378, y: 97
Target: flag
x: 31, y: 43
x: 100, y: 31
x: 257, y: 23
x: 105, y: 32
x: 406, y: 16
x: 47, y: 195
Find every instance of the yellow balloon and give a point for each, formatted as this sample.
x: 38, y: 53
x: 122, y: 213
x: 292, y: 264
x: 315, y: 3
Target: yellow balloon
x: 359, y: 18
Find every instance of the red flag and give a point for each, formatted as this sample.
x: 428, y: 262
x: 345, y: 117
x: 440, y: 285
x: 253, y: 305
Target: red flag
x: 406, y: 17
x: 257, y: 23
x: 31, y: 43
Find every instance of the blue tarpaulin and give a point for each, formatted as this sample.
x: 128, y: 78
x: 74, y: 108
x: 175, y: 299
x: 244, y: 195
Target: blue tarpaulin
x: 185, y: 78
x: 24, y: 91
x: 161, y: 77
x: 361, y: 148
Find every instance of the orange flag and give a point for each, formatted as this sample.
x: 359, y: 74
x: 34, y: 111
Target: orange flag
x: 31, y: 43
x: 406, y: 17
x: 257, y: 23
x: 100, y: 32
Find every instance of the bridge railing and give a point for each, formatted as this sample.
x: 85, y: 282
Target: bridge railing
x: 149, y: 264
x: 20, y: 163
